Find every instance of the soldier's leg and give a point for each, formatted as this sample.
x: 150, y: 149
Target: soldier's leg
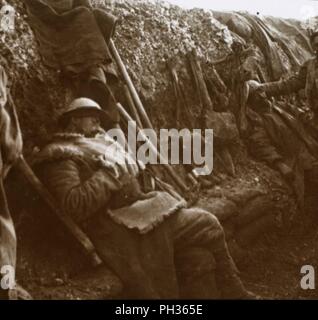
x: 198, y: 228
x: 195, y: 270
x: 261, y: 147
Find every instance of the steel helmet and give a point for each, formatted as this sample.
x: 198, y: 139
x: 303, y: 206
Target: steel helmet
x: 83, y: 107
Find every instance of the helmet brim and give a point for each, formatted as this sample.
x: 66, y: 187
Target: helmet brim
x: 84, y: 112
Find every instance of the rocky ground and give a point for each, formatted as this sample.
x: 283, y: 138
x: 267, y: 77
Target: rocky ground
x: 148, y: 35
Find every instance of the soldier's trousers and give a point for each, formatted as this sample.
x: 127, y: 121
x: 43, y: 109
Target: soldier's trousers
x: 184, y: 256
x: 196, y: 228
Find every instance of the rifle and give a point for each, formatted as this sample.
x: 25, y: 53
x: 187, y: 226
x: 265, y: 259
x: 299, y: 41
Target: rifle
x: 182, y: 105
x: 206, y: 104
x: 141, y: 110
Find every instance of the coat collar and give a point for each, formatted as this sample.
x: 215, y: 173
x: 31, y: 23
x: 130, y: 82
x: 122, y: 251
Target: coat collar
x: 60, y: 147
x: 65, y: 145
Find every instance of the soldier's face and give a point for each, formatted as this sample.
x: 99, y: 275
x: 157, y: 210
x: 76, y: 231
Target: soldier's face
x: 87, y: 125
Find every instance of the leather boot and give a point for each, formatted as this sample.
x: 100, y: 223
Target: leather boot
x: 196, y: 274
x: 228, y: 281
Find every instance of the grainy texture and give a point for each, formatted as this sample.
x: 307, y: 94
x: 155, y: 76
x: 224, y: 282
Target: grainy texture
x: 147, y: 36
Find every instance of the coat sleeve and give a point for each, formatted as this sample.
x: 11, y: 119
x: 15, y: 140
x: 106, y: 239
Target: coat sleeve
x: 290, y: 85
x: 79, y: 198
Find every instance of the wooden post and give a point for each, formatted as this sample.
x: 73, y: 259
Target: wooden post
x: 132, y: 107
x: 175, y: 177
x: 77, y: 233
x: 130, y: 85
x: 141, y: 110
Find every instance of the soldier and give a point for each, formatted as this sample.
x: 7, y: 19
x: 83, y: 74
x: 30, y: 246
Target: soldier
x: 273, y: 141
x: 157, y: 247
x: 257, y: 124
x: 307, y: 78
x: 265, y: 131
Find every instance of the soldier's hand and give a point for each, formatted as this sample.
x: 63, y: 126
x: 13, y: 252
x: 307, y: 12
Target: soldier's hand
x: 255, y: 87
x: 260, y: 89
x: 113, y: 183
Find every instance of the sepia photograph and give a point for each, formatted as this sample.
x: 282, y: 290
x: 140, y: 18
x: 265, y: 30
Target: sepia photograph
x: 158, y: 150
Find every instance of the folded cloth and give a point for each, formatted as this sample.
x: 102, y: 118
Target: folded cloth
x: 72, y: 38
x: 144, y: 215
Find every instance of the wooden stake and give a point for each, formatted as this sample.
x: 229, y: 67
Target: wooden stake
x: 77, y: 233
x: 175, y: 177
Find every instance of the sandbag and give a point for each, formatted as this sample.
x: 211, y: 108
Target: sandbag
x: 241, y: 196
x: 223, y: 125
x: 223, y: 209
x: 240, y: 26
x: 254, y: 210
x: 254, y: 230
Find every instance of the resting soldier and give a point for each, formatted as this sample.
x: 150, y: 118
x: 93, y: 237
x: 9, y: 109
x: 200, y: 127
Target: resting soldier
x: 157, y: 247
